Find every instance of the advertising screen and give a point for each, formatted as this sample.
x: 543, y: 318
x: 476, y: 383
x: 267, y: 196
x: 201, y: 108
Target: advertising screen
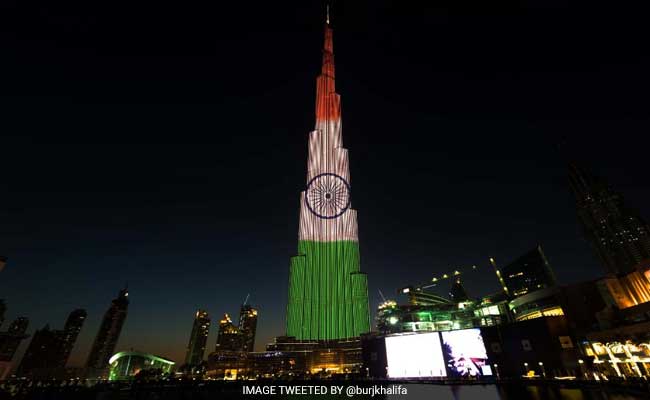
x: 465, y: 354
x: 414, y: 356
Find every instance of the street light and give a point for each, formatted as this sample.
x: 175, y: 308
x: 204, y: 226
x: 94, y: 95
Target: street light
x: 496, y: 369
x: 541, y: 364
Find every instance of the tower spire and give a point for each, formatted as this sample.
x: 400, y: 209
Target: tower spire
x: 327, y: 100
x: 327, y: 18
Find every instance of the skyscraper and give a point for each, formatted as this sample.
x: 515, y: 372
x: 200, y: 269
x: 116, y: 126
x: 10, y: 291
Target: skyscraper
x: 229, y: 338
x: 69, y: 334
x: 528, y: 273
x: 619, y: 237
x: 9, y: 342
x: 198, y: 338
x: 49, y: 348
x: 248, y: 326
x: 328, y: 295
x: 109, y: 332
x: 42, y: 352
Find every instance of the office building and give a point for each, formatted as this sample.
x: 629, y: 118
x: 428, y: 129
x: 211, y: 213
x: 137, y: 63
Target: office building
x: 109, y: 333
x: 51, y: 348
x: 528, y: 273
x: 229, y: 337
x: 70, y: 333
x: 10, y: 340
x: 198, y: 339
x: 248, y: 326
x: 618, y: 235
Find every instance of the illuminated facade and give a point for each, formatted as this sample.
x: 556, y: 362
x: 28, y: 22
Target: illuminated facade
x: 229, y: 337
x: 620, y: 238
x: 126, y: 365
x: 528, y: 273
x: 248, y: 326
x: 328, y: 295
x: 628, y: 290
x: 627, y: 358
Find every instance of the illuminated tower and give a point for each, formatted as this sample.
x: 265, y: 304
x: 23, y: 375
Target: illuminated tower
x: 618, y: 235
x: 198, y: 338
x: 328, y: 295
x: 109, y: 332
x: 229, y: 337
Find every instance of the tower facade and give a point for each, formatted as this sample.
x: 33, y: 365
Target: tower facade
x: 229, y: 337
x: 248, y: 326
x: 528, y: 273
x: 198, y: 338
x: 12, y: 337
x: 109, y: 332
x: 619, y: 237
x: 328, y: 295
x: 70, y: 333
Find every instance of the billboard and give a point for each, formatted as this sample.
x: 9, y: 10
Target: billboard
x: 415, y: 356
x: 465, y: 354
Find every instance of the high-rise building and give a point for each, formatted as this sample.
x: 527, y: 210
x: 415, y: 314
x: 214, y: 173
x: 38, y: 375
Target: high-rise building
x: 51, y: 348
x: 618, y: 235
x: 9, y: 342
x: 248, y: 326
x: 3, y: 262
x: 328, y: 295
x: 70, y: 333
x: 528, y: 273
x: 11, y: 338
x: 109, y: 332
x: 42, y: 352
x: 198, y: 338
x: 229, y: 338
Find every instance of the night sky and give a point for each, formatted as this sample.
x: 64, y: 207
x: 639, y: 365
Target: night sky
x: 164, y: 145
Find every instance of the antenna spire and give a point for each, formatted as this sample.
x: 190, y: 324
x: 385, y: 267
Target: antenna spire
x: 327, y: 19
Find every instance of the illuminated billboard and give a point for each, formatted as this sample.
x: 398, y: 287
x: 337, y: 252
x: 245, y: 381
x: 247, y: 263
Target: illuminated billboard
x: 414, y: 356
x: 465, y: 354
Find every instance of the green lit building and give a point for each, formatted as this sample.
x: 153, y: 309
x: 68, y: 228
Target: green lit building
x: 127, y: 365
x: 328, y: 294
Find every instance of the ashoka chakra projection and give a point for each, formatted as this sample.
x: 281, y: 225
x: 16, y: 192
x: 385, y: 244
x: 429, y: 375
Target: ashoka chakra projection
x: 328, y: 195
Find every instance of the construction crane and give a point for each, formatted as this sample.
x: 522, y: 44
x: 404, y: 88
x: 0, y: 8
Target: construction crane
x: 417, y: 293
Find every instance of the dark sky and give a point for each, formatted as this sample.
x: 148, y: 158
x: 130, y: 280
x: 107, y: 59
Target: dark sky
x: 164, y: 145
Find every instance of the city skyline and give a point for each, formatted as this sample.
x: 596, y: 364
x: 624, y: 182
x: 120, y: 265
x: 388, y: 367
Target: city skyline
x: 87, y: 224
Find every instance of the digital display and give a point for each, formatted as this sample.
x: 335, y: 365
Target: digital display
x: 465, y: 354
x: 415, y: 356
